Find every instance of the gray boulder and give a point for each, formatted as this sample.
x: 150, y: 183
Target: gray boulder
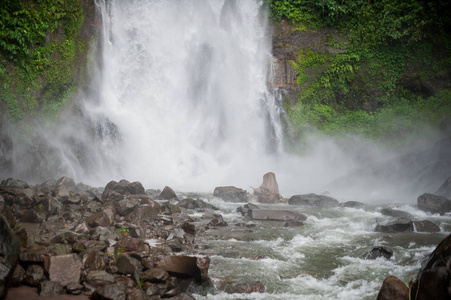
x: 231, y: 194
x: 313, y: 200
x: 275, y: 215
x: 434, y: 204
x: 396, y: 213
x: 445, y: 189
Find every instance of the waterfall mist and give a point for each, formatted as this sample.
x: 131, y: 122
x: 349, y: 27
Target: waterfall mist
x: 181, y: 98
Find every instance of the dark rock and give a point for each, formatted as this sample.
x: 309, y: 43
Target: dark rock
x: 9, y: 255
x: 434, y: 204
x: 182, y: 296
x: 136, y: 188
x: 94, y: 260
x: 425, y: 226
x: 33, y: 254
x: 30, y: 216
x: 104, y: 218
x: 99, y: 277
x: 244, y: 287
x: 144, y: 213
x: 196, y: 267
x: 34, y: 275
x: 120, y: 187
x: 126, y: 205
x: 231, y: 194
x: 51, y: 205
x: 167, y: 194
x: 189, y: 203
x: 67, y: 182
x: 393, y: 289
x: 399, y: 225
x: 137, y: 294
x: 313, y: 200
x: 63, y: 268
x: 18, y: 275
x: 74, y: 288
x: 155, y: 275
x: 6, y: 212
x: 396, y: 213
x: 276, y: 215
x: 445, y: 189
x: 115, y: 291
x: 377, y: 252
x: 268, y: 192
x: 50, y: 288
x: 11, y: 182
x: 353, y: 204
x: 111, y: 196
x: 127, y: 265
x: 213, y: 219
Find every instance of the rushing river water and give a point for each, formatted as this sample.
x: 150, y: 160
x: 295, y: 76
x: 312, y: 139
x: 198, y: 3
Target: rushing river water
x: 320, y: 260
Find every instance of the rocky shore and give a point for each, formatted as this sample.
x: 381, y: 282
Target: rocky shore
x: 125, y: 242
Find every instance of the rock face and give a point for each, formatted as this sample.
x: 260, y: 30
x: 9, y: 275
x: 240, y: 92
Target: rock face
x: 268, y: 192
x: 433, y: 279
x: 393, y: 289
x: 9, y: 255
x: 231, y: 194
x: 445, y: 189
x: 313, y: 200
x: 434, y: 204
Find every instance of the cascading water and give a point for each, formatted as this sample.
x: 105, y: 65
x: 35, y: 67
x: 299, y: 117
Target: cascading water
x: 185, y: 83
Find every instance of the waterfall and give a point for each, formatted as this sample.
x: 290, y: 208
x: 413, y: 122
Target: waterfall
x: 185, y: 82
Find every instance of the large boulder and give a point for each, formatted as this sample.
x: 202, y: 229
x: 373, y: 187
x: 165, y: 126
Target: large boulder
x: 396, y: 213
x: 313, y: 200
x: 393, y: 288
x: 231, y: 194
x: 433, y: 279
x: 268, y: 192
x: 377, y: 252
x: 63, y: 269
x: 167, y: 194
x: 434, y: 204
x: 398, y: 225
x: 9, y: 255
x: 445, y: 189
x: 196, y: 267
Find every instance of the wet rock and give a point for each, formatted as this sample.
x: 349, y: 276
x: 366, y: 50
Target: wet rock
x: 196, y: 267
x: 110, y: 196
x: 11, y: 182
x: 213, y: 220
x: 244, y: 287
x: 425, y: 226
x: 33, y: 254
x: 34, y: 275
x: 30, y: 216
x: 104, y: 234
x: 63, y: 268
x: 115, y: 291
x: 353, y: 204
x: 136, y: 188
x: 137, y: 294
x: 103, y: 218
x: 51, y: 205
x: 50, y: 288
x: 399, y: 225
x: 67, y: 182
x: 94, y: 260
x: 9, y: 255
x: 7, y: 214
x: 189, y: 203
x: 126, y: 205
x: 144, y: 213
x: 167, y: 194
x: 433, y: 279
x: 169, y: 209
x: 445, y: 189
x: 396, y: 213
x: 377, y: 252
x: 243, y: 210
x: 276, y: 215
x: 99, y: 278
x: 393, y: 289
x: 155, y: 275
x: 268, y: 192
x: 18, y: 275
x: 49, y: 184
x: 434, y: 204
x: 131, y: 245
x: 127, y: 265
x: 231, y: 194
x: 74, y: 288
x: 313, y: 200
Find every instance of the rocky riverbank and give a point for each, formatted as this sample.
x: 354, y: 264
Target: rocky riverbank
x: 125, y: 242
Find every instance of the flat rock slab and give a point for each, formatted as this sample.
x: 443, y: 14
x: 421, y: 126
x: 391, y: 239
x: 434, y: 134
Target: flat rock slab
x: 275, y: 215
x: 313, y: 200
x: 63, y: 269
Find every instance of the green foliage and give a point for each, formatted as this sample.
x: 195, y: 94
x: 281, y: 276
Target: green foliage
x: 38, y: 48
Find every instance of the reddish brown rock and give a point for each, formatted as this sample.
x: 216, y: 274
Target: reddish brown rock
x: 393, y: 289
x: 196, y: 267
x: 63, y: 268
x: 268, y: 192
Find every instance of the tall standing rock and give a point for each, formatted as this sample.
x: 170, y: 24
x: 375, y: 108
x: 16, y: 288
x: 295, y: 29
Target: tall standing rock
x: 268, y: 192
x: 9, y: 255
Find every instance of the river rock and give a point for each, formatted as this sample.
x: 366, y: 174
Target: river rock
x: 50, y: 288
x: 231, y: 194
x: 393, y: 289
x: 196, y: 267
x: 34, y: 275
x: 275, y: 215
x: 126, y: 205
x: 377, y: 252
x: 425, y: 226
x: 127, y: 265
x: 396, y: 213
x: 433, y: 279
x: 445, y: 189
x: 103, y: 218
x: 144, y: 213
x: 353, y: 204
x: 189, y: 203
x: 115, y: 291
x: 268, y: 192
x: 9, y: 255
x: 313, y: 200
x: 399, y: 225
x: 155, y: 275
x: 63, y: 268
x: 94, y: 260
x: 434, y: 204
x: 167, y: 194
x: 244, y: 287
